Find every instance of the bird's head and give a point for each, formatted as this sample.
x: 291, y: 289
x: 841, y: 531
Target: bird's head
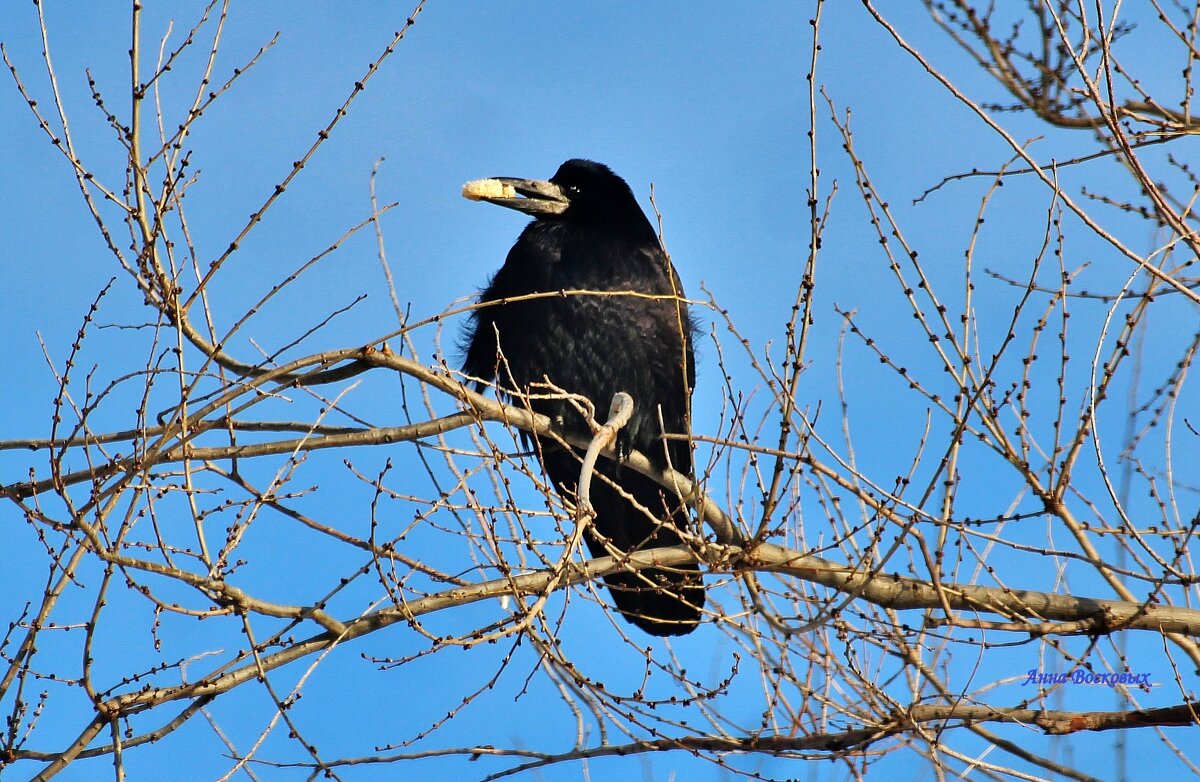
x: 581, y: 192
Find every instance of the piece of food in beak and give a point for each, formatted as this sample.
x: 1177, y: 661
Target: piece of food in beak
x: 481, y: 189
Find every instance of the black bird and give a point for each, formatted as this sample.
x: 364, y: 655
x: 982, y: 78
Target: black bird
x: 589, y: 234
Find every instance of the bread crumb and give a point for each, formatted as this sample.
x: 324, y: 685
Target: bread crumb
x: 481, y: 189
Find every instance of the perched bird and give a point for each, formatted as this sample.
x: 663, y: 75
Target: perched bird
x: 589, y: 234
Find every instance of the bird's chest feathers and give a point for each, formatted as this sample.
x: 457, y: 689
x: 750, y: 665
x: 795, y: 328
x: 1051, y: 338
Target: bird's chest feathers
x: 557, y: 259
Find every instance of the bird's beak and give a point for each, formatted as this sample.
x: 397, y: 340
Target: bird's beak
x: 531, y: 196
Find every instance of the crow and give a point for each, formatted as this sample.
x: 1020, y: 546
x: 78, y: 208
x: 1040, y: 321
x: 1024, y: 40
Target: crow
x: 631, y: 331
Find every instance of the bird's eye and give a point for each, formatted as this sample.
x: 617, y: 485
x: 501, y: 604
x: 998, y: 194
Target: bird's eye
x: 573, y: 189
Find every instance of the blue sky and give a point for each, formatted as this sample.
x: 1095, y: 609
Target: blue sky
x: 706, y: 102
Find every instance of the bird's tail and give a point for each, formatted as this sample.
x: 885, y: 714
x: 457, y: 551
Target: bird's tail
x: 661, y: 601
